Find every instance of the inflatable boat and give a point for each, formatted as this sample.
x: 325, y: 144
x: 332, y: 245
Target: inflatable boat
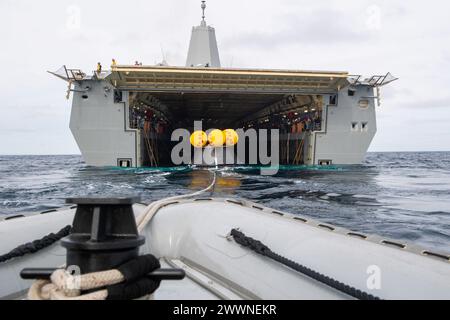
x: 205, y: 237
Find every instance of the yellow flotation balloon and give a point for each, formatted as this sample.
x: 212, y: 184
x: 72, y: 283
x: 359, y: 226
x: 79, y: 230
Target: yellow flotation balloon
x: 199, y: 139
x: 231, y: 137
x: 216, y: 138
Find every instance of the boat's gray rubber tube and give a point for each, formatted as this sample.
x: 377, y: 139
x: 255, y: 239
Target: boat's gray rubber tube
x: 260, y: 248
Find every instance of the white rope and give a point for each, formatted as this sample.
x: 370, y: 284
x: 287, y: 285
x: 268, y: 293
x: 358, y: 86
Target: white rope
x: 149, y: 212
x: 61, y: 285
x: 64, y: 286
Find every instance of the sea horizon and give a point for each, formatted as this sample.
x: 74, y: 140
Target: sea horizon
x: 79, y: 154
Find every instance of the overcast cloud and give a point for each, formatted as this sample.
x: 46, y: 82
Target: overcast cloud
x: 408, y: 38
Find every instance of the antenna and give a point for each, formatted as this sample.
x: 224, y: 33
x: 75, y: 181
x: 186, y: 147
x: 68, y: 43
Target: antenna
x: 162, y: 52
x: 203, y: 9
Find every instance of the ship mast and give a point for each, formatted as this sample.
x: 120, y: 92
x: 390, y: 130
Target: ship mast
x: 203, y: 51
x: 203, y: 10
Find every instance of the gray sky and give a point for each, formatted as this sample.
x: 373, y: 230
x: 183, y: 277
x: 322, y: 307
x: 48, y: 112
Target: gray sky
x: 408, y: 38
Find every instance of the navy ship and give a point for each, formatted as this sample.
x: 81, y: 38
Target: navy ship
x: 125, y: 116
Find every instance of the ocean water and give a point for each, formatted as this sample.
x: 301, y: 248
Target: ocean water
x: 404, y: 196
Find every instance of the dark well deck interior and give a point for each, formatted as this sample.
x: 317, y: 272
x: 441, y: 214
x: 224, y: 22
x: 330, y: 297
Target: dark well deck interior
x: 287, y: 113
x: 218, y: 110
